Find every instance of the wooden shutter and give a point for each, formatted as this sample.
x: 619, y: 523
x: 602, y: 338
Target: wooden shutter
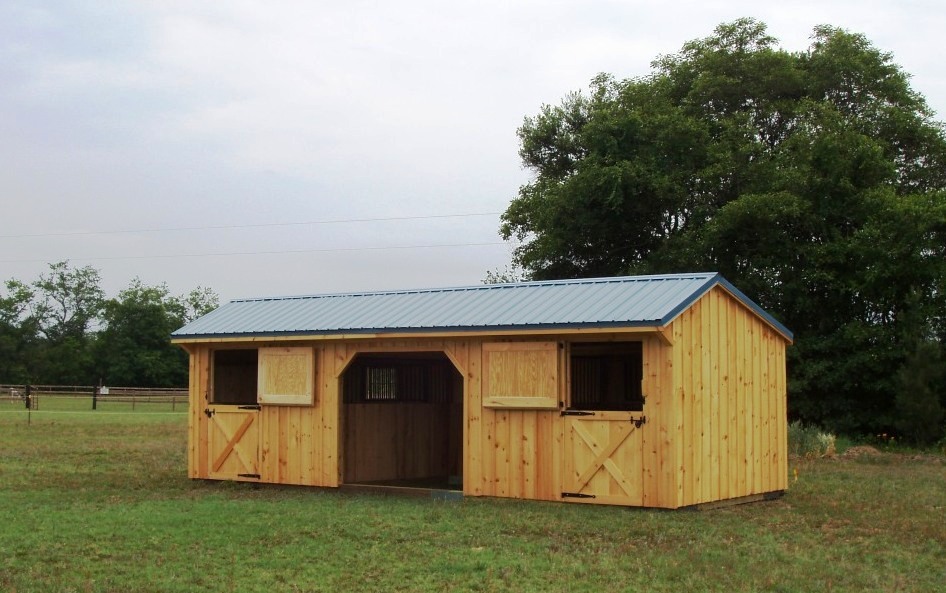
x: 286, y: 376
x: 521, y: 375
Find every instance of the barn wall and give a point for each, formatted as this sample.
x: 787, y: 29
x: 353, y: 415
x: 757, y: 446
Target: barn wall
x: 730, y: 400
x: 297, y: 444
x: 416, y: 430
x: 519, y: 453
x: 196, y: 426
x: 510, y: 453
x: 659, y: 471
x: 395, y: 441
x: 715, y: 408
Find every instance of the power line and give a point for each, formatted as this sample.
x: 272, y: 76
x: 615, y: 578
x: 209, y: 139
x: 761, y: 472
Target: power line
x: 246, y: 226
x: 275, y: 252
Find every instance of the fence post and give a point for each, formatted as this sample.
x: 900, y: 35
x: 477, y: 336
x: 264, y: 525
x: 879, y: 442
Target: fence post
x: 27, y: 397
x: 95, y: 397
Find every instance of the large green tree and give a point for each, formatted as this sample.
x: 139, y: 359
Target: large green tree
x: 133, y: 348
x: 814, y: 180
x: 60, y: 329
x: 63, y: 305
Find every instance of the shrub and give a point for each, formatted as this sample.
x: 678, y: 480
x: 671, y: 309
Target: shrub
x: 810, y: 441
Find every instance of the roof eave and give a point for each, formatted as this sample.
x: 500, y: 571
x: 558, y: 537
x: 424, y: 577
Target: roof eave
x: 460, y: 331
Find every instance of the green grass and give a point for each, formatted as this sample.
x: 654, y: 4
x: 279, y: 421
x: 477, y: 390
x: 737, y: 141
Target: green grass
x: 101, y: 502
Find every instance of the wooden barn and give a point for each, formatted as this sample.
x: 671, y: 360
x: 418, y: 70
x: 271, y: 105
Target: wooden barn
x: 657, y: 391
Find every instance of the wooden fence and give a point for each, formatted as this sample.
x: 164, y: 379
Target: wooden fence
x: 91, y: 397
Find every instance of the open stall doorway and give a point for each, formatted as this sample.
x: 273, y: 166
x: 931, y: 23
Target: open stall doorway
x: 403, y: 421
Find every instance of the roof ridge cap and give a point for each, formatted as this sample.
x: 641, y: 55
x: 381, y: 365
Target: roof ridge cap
x: 485, y: 287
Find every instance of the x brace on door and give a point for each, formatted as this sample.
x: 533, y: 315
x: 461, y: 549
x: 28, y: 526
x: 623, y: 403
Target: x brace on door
x: 232, y: 442
x: 603, y: 457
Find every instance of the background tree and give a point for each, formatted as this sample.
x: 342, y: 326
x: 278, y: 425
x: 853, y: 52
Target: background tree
x: 133, y: 348
x: 200, y: 301
x: 813, y: 180
x: 65, y: 303
x: 60, y: 329
x: 17, y: 333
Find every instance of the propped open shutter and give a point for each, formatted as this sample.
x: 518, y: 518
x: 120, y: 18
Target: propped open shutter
x: 521, y: 375
x: 286, y: 376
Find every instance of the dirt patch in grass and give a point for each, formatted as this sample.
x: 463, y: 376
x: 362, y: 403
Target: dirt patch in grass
x: 861, y: 451
x: 868, y: 453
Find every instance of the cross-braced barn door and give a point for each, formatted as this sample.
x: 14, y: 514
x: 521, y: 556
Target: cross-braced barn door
x: 603, y: 457
x: 233, y: 442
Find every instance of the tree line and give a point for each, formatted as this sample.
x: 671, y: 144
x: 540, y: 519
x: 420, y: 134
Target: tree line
x: 61, y: 329
x: 814, y: 180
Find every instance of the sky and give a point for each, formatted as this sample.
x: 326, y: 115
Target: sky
x: 298, y: 147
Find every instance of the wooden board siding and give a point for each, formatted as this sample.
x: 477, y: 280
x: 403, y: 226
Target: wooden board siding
x: 512, y: 453
x: 286, y: 376
x: 297, y: 444
x: 520, y: 375
x: 395, y: 441
x: 233, y: 445
x: 603, y: 458
x: 196, y: 443
x: 659, y: 471
x: 729, y: 395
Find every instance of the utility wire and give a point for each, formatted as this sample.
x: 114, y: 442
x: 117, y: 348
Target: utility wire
x: 245, y: 226
x: 275, y: 252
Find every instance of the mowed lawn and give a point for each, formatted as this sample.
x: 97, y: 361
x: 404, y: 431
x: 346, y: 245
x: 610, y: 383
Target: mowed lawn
x: 101, y: 502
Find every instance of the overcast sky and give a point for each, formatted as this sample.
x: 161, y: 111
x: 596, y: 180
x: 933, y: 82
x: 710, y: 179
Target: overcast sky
x: 156, y: 117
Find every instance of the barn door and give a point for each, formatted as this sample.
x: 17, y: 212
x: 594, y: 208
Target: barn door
x: 233, y: 442
x: 602, y: 458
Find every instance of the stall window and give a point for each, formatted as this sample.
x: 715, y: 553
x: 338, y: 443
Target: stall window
x: 607, y: 376
x: 421, y: 378
x: 381, y: 383
x: 235, y: 375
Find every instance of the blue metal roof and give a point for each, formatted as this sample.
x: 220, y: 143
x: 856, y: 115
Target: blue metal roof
x: 641, y: 301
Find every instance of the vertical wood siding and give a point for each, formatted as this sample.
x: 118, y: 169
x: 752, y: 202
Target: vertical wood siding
x: 659, y: 469
x: 730, y: 400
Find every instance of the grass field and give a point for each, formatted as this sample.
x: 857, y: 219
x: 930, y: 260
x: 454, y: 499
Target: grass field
x: 101, y: 502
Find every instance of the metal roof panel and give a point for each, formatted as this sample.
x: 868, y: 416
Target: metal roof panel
x: 597, y: 302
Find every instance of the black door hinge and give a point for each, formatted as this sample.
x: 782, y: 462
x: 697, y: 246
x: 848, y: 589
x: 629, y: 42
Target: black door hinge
x: 638, y: 422
x: 208, y: 412
x: 576, y: 413
x: 576, y: 495
x: 248, y: 476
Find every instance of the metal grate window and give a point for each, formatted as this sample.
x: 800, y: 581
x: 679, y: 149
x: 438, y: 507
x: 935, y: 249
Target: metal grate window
x: 607, y: 376
x: 380, y: 384
x: 399, y: 380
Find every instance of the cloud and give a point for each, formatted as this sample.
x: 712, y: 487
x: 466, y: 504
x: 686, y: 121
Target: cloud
x: 149, y: 114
